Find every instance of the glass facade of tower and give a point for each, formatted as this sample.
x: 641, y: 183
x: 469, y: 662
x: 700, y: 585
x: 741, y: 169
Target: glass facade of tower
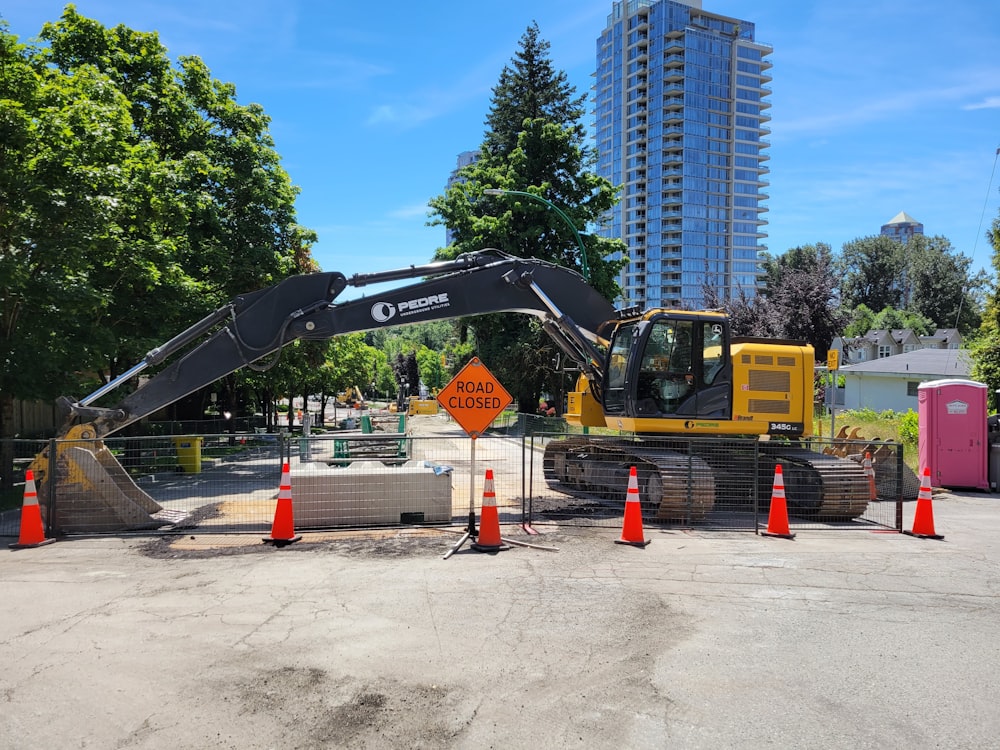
x: 680, y: 107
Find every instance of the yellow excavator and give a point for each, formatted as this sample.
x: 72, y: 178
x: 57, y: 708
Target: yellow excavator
x: 351, y: 397
x: 659, y: 377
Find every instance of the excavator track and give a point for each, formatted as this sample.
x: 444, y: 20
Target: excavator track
x: 681, y: 486
x: 677, y: 486
x: 820, y: 486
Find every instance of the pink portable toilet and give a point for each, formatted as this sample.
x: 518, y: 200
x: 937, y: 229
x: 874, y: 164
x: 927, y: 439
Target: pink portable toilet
x: 952, y: 442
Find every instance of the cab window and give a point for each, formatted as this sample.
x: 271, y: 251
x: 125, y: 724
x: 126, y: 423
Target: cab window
x: 666, y: 375
x: 614, y: 390
x: 712, y: 351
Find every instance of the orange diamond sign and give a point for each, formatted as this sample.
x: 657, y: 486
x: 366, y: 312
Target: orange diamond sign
x: 474, y: 398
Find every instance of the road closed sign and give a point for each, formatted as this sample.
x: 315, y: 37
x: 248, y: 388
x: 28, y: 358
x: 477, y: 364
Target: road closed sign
x: 474, y: 398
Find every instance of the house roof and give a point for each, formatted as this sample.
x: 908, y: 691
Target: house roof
x: 901, y: 335
x: 902, y: 218
x: 948, y: 334
x: 938, y: 363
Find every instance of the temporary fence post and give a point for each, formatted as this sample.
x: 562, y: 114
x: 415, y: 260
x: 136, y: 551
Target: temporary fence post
x: 899, y: 487
x: 50, y: 488
x: 756, y: 486
x: 527, y: 464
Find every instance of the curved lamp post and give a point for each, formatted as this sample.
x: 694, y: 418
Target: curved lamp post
x: 584, y: 266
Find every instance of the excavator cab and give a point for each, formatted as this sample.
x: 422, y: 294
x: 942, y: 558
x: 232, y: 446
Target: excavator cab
x: 669, y: 364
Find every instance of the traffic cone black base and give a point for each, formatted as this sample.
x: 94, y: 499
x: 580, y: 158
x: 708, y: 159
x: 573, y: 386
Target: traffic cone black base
x: 33, y: 544
x: 643, y: 543
x: 779, y: 536
x: 923, y: 536
x: 489, y: 547
x: 280, y: 542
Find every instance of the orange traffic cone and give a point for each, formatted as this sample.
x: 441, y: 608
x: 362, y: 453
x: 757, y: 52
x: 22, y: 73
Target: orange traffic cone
x: 283, y: 528
x: 870, y: 473
x: 777, y: 519
x: 32, y: 534
x: 488, y: 539
x: 923, y: 517
x: 632, y: 527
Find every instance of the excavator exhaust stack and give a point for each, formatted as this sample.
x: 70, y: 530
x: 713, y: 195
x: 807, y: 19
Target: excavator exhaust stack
x: 93, y: 492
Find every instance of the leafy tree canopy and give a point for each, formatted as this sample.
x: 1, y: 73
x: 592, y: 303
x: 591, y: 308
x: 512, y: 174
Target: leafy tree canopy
x: 938, y: 285
x: 871, y: 269
x: 135, y: 195
x: 925, y: 277
x: 800, y: 287
x: 864, y: 320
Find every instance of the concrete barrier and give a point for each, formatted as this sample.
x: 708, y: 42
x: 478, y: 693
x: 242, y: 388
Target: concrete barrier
x: 364, y: 494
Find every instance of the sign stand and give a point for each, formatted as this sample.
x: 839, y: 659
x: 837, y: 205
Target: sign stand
x: 470, y: 532
x: 474, y: 398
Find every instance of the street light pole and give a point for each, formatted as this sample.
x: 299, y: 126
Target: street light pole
x: 585, y: 267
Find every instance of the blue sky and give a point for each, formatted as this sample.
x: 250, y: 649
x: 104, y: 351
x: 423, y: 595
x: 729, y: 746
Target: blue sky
x: 878, y: 106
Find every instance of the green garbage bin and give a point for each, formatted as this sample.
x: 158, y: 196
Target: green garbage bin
x: 189, y: 454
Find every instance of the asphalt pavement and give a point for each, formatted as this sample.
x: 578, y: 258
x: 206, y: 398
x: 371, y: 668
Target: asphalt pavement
x: 373, y: 640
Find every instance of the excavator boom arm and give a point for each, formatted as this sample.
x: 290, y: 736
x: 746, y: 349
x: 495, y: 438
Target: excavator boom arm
x: 256, y: 326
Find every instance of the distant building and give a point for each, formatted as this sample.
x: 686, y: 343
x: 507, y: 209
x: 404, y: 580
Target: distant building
x: 681, y: 113
x: 464, y: 160
x: 902, y: 227
x: 891, y: 383
x: 879, y: 344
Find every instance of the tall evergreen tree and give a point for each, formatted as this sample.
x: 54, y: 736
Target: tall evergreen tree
x: 534, y: 143
x: 530, y: 90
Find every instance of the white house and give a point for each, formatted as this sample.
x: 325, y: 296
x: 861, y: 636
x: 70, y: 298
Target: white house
x: 891, y: 382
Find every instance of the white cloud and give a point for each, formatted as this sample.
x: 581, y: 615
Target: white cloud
x: 399, y: 114
x: 417, y: 210
x: 990, y: 102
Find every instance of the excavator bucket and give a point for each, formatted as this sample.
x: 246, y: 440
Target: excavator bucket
x: 93, y: 492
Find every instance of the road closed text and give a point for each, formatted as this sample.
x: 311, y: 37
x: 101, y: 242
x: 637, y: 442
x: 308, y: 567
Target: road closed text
x: 469, y: 394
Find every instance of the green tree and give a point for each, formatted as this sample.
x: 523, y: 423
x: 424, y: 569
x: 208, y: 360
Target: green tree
x: 860, y: 320
x: 65, y: 160
x: 432, y: 372
x: 801, y: 285
x: 863, y: 320
x: 134, y: 196
x: 991, y: 317
x: 985, y: 346
x: 985, y: 351
x: 871, y: 271
x: 215, y: 215
x: 530, y: 90
x: 535, y: 144
x: 938, y: 284
x: 890, y: 319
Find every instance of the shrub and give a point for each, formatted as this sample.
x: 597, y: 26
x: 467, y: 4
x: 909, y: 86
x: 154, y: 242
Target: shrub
x: 909, y: 427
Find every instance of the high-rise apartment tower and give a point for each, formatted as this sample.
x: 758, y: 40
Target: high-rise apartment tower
x: 902, y: 227
x: 681, y: 106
